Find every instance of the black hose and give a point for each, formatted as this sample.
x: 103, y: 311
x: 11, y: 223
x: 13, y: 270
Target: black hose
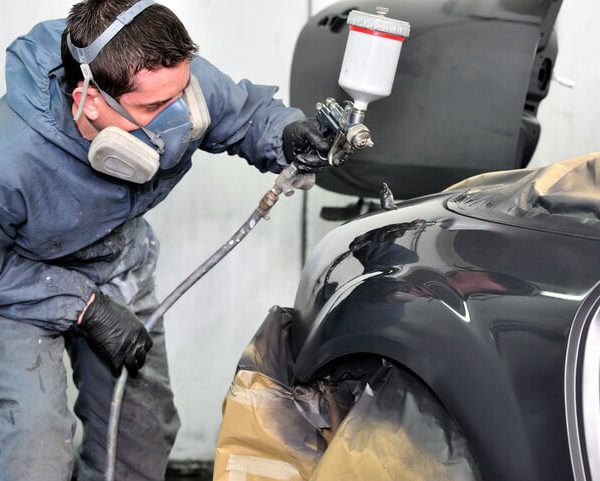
x: 212, y: 261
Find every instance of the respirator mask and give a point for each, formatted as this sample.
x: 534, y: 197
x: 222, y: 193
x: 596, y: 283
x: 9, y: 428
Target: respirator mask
x: 136, y: 156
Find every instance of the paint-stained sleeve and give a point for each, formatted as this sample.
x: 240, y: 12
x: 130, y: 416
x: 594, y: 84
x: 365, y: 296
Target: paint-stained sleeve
x: 245, y: 118
x: 32, y: 291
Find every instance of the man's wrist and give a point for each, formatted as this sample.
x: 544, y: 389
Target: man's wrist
x: 90, y: 300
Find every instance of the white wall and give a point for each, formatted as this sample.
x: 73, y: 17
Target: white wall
x: 570, y: 118
x: 209, y: 328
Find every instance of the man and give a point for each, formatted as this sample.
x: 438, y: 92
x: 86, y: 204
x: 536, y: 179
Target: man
x: 76, y: 257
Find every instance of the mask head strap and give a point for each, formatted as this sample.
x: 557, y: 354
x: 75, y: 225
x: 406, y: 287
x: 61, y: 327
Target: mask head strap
x: 86, y: 55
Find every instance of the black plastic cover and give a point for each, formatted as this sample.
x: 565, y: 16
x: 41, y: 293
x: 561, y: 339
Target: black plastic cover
x: 562, y: 198
x: 363, y: 418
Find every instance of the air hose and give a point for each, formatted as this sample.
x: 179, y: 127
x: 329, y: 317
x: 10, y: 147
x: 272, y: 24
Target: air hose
x: 286, y: 182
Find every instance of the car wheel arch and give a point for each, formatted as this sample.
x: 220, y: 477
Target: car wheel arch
x: 441, y: 375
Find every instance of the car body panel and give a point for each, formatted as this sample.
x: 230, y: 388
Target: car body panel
x: 480, y: 311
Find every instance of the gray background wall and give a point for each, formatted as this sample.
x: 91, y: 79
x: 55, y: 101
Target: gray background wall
x: 254, y: 39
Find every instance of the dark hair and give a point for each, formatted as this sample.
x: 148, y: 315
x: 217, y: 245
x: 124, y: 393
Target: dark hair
x: 155, y: 38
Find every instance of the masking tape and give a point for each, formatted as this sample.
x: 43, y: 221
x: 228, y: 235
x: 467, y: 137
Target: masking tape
x: 240, y: 466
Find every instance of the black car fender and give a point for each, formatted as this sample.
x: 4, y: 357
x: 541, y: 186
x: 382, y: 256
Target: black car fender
x: 430, y: 334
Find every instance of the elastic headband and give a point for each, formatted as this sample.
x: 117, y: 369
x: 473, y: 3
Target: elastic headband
x: 89, y: 53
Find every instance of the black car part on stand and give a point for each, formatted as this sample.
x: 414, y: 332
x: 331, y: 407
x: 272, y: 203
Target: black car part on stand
x: 465, y: 98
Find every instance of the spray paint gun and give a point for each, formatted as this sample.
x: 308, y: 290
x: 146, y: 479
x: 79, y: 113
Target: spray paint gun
x: 349, y: 133
x: 367, y: 74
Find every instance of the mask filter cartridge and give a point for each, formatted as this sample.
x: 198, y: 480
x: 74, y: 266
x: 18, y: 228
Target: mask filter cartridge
x: 118, y: 153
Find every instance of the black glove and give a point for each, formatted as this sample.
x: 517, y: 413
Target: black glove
x: 304, y: 144
x: 116, y: 334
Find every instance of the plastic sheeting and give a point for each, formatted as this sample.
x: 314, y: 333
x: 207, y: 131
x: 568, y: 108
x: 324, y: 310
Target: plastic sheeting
x: 365, y: 419
x: 562, y: 197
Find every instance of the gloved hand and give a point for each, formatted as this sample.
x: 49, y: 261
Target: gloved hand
x: 302, y: 143
x: 115, y: 334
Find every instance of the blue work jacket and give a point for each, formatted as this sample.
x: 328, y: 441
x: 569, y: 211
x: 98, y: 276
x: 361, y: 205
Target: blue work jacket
x: 66, y: 229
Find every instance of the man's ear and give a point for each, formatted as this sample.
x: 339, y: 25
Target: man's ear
x: 90, y: 108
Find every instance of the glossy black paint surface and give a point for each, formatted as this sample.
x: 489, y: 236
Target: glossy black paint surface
x: 480, y: 311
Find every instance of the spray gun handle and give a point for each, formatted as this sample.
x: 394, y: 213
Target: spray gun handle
x: 345, y: 126
x: 327, y: 122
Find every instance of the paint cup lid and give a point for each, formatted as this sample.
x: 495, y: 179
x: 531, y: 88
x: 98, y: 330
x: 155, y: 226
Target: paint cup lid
x: 379, y: 22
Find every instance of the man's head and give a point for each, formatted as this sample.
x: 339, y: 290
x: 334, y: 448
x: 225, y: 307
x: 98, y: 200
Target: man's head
x: 154, y: 44
x: 155, y: 38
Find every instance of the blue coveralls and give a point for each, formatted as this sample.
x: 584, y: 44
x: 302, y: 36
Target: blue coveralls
x: 66, y: 230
